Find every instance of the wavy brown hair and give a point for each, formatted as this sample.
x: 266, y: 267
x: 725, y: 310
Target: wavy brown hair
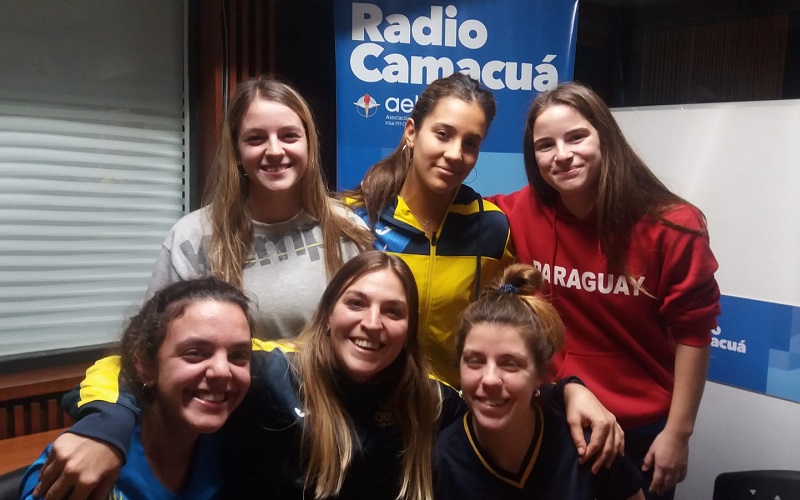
x: 384, y: 180
x: 627, y: 189
x: 415, y: 402
x: 514, y: 300
x: 231, y: 222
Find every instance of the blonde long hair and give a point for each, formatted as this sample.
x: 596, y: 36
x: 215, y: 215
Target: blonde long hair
x: 415, y: 402
x: 231, y: 222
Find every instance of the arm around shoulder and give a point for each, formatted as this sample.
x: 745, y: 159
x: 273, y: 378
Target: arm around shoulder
x: 102, y: 407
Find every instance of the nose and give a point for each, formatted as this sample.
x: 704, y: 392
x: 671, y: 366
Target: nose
x: 218, y: 366
x: 492, y: 377
x: 273, y: 147
x: 371, y: 319
x: 562, y: 152
x: 454, y: 151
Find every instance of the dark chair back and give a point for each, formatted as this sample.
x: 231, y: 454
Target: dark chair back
x: 9, y: 484
x: 758, y: 485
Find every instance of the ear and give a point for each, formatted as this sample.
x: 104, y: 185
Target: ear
x: 410, y: 133
x: 147, y: 374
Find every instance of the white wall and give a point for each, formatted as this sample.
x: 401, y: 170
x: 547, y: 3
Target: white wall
x: 739, y: 430
x: 739, y: 162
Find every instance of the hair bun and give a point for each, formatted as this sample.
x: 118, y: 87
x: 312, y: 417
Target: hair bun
x: 520, y: 279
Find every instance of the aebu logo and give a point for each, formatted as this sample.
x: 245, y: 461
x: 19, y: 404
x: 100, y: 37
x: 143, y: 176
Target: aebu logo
x: 365, y: 104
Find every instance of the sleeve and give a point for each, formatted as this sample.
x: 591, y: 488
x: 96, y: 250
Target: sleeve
x: 164, y: 273
x: 31, y: 477
x: 102, y: 407
x: 349, y: 248
x: 355, y: 218
x: 504, y: 202
x: 496, y: 242
x: 183, y: 253
x: 453, y: 405
x: 618, y: 482
x: 554, y: 393
x: 689, y: 291
x: 509, y: 254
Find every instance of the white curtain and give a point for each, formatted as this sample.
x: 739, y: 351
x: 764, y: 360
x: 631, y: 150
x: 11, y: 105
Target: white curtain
x: 92, y: 160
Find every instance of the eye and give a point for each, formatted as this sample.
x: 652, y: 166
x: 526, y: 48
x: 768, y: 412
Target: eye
x: 240, y: 358
x: 441, y: 134
x: 472, y: 361
x: 395, y: 313
x: 577, y: 137
x: 253, y: 139
x: 292, y: 136
x: 354, y: 304
x: 193, y: 355
x: 472, y: 144
x: 543, y: 146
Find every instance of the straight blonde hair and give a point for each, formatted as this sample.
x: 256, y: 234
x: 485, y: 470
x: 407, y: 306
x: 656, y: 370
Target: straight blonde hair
x: 231, y: 222
x: 415, y: 402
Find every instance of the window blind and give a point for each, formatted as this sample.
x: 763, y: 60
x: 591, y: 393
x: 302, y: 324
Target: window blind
x: 91, y: 164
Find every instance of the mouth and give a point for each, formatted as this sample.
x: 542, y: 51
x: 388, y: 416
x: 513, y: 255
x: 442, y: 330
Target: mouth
x: 272, y: 169
x: 448, y: 170
x: 366, y: 344
x: 568, y: 171
x: 212, y: 397
x: 492, y: 403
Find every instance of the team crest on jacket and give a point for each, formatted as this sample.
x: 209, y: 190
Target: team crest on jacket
x: 384, y: 416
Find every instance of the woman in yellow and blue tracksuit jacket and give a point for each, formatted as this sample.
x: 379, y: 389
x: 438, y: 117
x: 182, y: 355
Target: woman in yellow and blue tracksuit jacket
x: 418, y: 209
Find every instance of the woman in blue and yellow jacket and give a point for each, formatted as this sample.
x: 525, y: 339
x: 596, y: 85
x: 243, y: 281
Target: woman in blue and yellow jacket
x: 417, y: 207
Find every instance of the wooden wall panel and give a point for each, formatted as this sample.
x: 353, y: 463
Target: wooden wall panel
x: 30, y: 401
x: 229, y: 41
x: 740, y: 60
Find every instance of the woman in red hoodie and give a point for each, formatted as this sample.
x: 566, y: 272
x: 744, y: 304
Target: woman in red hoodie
x: 627, y: 264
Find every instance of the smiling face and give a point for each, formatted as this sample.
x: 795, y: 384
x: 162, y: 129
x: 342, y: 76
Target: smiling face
x: 446, y: 146
x: 202, y: 367
x: 498, y: 378
x: 273, y: 150
x: 567, y: 151
x: 369, y: 325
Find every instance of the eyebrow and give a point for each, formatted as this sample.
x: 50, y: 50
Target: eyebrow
x: 451, y: 127
x: 362, y: 295
x: 292, y: 128
x: 515, y: 355
x: 201, y: 341
x: 570, y: 131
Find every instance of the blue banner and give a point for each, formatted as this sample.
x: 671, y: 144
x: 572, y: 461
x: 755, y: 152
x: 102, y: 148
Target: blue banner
x: 757, y: 347
x: 387, y: 51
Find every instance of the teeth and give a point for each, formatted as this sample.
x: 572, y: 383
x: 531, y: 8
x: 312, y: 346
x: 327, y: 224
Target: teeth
x: 489, y: 402
x: 276, y: 169
x: 211, y: 398
x: 366, y: 344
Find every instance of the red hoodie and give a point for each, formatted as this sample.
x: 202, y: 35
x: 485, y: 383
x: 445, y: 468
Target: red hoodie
x: 620, y: 341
